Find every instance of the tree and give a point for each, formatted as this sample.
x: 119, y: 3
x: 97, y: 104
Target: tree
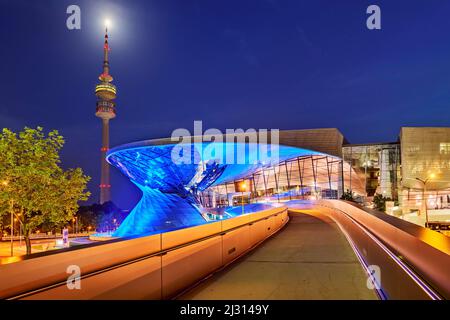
x: 34, y: 184
x: 379, y: 202
x: 348, y: 195
x: 3, y: 221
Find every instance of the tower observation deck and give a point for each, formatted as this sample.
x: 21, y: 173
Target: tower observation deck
x: 106, y: 110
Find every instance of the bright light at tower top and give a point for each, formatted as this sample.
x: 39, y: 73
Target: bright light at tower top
x: 107, y: 23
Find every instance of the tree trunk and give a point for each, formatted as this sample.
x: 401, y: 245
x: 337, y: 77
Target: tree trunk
x: 28, y: 242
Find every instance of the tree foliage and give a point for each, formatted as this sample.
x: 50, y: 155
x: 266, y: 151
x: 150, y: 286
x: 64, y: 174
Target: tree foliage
x: 379, y: 202
x: 348, y: 195
x: 34, y: 184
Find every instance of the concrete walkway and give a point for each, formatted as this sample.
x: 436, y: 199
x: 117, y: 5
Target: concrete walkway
x: 308, y: 259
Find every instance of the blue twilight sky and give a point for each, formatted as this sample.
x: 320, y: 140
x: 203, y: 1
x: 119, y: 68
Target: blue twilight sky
x: 233, y: 64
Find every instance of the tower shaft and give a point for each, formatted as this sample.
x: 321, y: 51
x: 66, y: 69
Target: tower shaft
x: 106, y: 110
x: 105, y: 186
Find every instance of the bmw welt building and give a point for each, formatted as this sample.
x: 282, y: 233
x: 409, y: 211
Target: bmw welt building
x: 194, y: 180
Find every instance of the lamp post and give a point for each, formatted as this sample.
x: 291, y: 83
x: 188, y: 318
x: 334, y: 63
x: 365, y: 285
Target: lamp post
x: 20, y: 232
x: 21, y: 228
x: 424, y: 189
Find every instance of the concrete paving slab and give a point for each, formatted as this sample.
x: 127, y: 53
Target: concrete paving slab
x: 309, y: 259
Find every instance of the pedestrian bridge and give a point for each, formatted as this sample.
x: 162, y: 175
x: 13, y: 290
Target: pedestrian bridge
x: 325, y: 249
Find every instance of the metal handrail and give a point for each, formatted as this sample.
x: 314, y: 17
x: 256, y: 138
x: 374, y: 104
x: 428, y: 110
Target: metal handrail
x: 411, y: 256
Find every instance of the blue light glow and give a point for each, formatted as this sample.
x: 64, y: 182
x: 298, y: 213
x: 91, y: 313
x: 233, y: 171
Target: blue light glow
x: 170, y: 188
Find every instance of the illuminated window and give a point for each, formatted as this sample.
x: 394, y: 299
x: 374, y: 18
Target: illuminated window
x: 444, y: 148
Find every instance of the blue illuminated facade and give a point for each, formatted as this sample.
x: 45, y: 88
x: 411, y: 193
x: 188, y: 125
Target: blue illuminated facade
x: 172, y: 178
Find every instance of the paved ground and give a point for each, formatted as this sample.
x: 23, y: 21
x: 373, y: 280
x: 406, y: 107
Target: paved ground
x: 20, y: 249
x: 308, y: 259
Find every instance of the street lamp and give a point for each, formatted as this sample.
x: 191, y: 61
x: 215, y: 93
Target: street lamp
x: 20, y: 232
x: 424, y: 182
x: 18, y: 218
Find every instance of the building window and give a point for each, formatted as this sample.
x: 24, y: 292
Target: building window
x: 444, y: 148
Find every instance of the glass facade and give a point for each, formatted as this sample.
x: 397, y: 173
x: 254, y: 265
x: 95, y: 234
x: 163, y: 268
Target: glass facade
x: 306, y: 177
x: 377, y: 166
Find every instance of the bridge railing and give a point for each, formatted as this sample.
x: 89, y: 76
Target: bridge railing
x: 152, y: 267
x: 414, y: 262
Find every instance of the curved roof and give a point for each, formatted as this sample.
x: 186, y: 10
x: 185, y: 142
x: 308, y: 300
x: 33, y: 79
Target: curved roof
x: 324, y: 140
x: 179, y: 168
